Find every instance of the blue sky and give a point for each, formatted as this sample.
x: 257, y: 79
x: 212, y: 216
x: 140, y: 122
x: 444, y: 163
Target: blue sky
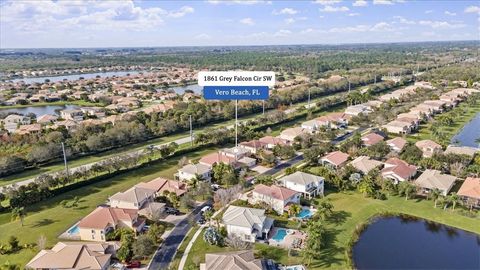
x: 90, y: 23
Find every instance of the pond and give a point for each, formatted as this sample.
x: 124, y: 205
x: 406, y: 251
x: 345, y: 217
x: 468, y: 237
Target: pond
x: 469, y: 133
x: 409, y: 243
x: 76, y: 76
x: 197, y: 89
x: 39, y: 110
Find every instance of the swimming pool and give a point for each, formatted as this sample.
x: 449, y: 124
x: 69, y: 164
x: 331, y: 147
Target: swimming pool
x: 74, y: 230
x: 280, y: 235
x: 295, y: 267
x: 305, y: 213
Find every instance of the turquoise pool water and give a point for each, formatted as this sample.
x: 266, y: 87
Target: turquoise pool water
x: 74, y: 230
x: 305, y: 213
x: 280, y: 235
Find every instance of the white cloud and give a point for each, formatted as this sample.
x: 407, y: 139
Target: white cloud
x: 289, y: 20
x: 402, y: 20
x: 203, y: 36
x: 387, y: 2
x: 285, y: 11
x: 472, y: 9
x: 378, y: 27
x: 238, y: 2
x: 441, y: 24
x: 428, y: 11
x: 450, y: 13
x: 247, y: 21
x: 327, y: 2
x: 282, y: 33
x: 353, y: 14
x: 360, y: 3
x: 334, y: 9
x: 181, y: 12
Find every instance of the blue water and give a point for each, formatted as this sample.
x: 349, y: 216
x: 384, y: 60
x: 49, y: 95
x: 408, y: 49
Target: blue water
x: 280, y: 235
x: 74, y: 230
x: 410, y: 243
x: 39, y: 110
x: 469, y: 133
x: 76, y: 76
x: 305, y: 213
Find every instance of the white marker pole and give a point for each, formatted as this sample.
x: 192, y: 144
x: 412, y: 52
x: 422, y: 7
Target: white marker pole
x: 236, y: 123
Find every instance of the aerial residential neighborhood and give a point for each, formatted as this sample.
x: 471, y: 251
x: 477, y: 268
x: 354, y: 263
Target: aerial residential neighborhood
x: 225, y: 135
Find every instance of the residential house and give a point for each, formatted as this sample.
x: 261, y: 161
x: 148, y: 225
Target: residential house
x: 398, y: 127
x: 72, y: 114
x: 358, y: 109
x: 161, y: 185
x: 428, y: 147
x: 253, y: 146
x: 397, y: 144
x: 190, y: 171
x: 335, y: 159
x: 462, y: 150
x: 365, y: 164
x: 134, y: 198
x: 275, y: 196
x: 96, y: 225
x: 470, y: 191
x: 371, y: 139
x: 93, y: 111
x: 73, y: 256
x: 218, y: 157
x: 13, y: 121
x: 236, y: 260
x: 308, y: 184
x: 433, y: 179
x: 29, y: 129
x: 398, y: 170
x: 247, y: 223
x: 290, y: 134
x: 272, y: 141
x: 47, y: 119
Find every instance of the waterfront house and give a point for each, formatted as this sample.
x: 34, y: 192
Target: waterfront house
x: 462, y: 150
x: 47, y: 119
x: 470, y: 191
x: 74, y: 255
x: 13, y: 121
x: 398, y: 170
x: 309, y: 185
x: 96, y: 225
x: 249, y: 224
x: 72, y: 114
x: 433, y: 179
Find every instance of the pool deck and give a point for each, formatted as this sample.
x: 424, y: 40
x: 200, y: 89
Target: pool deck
x: 289, y: 239
x: 67, y: 236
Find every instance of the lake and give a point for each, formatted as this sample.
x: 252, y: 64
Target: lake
x: 469, y: 133
x: 76, y: 76
x: 408, y: 243
x: 181, y: 89
x: 39, y: 110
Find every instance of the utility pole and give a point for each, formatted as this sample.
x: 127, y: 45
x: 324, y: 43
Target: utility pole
x: 308, y: 98
x: 263, y: 106
x: 236, y: 123
x: 65, y: 158
x: 375, y: 79
x: 349, y: 86
x: 191, y: 130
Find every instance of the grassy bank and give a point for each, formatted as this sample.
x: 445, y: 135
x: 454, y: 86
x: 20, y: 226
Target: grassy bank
x: 351, y: 209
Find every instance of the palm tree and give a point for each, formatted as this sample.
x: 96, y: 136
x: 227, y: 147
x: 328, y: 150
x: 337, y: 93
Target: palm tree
x: 434, y: 194
x: 454, y: 199
x: 365, y: 187
x: 18, y: 213
x: 294, y: 210
x: 324, y: 209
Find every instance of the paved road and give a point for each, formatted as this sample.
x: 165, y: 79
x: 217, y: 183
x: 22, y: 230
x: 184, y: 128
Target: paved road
x: 284, y: 165
x: 89, y: 165
x: 164, y: 255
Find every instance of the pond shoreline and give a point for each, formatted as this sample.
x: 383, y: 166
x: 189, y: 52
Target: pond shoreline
x: 361, y: 227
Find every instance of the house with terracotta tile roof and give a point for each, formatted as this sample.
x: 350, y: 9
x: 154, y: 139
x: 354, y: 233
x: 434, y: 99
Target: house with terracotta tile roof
x: 47, y: 119
x: 247, y: 223
x: 334, y: 159
x: 133, y: 198
x: 275, y: 196
x: 433, y: 179
x: 398, y: 170
x: 253, y: 146
x: 397, y: 144
x: 428, y: 147
x: 470, y: 191
x: 218, y: 157
x: 235, y: 260
x: 371, y: 139
x: 160, y: 185
x: 271, y: 142
x: 96, y: 225
x: 74, y: 256
x: 365, y: 164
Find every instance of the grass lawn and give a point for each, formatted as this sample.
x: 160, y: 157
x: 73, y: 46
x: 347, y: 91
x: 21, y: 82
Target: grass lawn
x: 50, y: 219
x: 425, y: 133
x: 351, y: 209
